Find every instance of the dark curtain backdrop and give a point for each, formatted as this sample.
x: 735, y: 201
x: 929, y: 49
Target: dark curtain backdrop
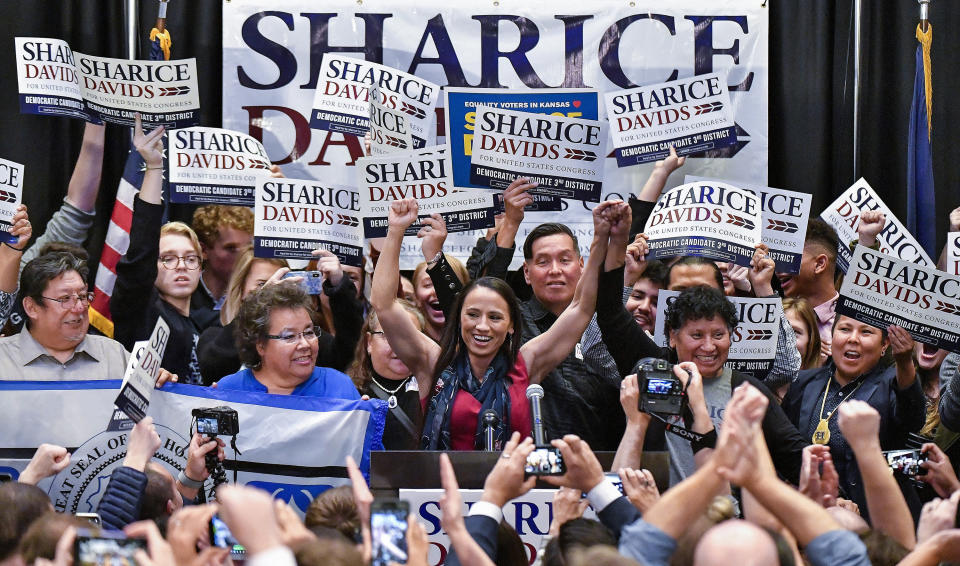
x: 811, y: 95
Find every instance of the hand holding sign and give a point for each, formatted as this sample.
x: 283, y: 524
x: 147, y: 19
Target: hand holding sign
x: 902, y: 344
x: 636, y: 260
x: 761, y: 271
x: 22, y: 229
x: 432, y: 235
x: 955, y: 220
x: 670, y: 163
x: 516, y: 199
x: 150, y: 146
x: 871, y: 224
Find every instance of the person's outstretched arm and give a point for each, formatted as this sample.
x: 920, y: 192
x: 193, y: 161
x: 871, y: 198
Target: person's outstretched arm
x: 630, y: 449
x: 642, y: 205
x: 546, y: 351
x: 860, y: 425
x: 417, y: 351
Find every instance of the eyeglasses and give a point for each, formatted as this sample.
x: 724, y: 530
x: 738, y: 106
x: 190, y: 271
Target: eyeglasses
x: 67, y: 302
x: 292, y: 338
x: 191, y: 262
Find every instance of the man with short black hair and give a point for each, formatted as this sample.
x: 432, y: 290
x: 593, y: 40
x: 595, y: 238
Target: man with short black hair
x: 54, y: 345
x: 816, y: 280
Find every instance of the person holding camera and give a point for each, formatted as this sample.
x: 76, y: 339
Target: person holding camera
x: 479, y: 364
x: 278, y: 345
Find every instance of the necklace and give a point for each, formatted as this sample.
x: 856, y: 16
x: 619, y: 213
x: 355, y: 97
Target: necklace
x: 822, y: 434
x: 392, y: 400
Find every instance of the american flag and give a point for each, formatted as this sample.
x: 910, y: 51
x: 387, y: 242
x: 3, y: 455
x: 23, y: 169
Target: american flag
x: 118, y: 233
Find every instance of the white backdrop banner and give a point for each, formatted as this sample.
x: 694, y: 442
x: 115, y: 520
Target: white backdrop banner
x: 272, y: 66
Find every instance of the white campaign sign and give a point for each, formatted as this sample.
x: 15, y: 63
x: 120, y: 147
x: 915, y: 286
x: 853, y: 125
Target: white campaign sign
x: 691, y: 115
x: 784, y: 217
x: 293, y: 217
x: 54, y: 80
x: 564, y: 156
x: 143, y: 367
x: 342, y: 97
x: 881, y: 290
x: 708, y: 219
x: 389, y: 130
x: 423, y: 175
x: 272, y: 61
x: 214, y: 166
x: 844, y: 215
x: 953, y: 253
x: 11, y: 192
x: 753, y: 343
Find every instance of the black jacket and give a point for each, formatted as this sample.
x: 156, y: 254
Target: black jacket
x: 136, y: 303
x: 483, y: 529
x: 901, y: 412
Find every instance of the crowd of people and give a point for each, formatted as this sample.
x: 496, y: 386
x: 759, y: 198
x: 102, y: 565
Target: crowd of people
x: 782, y: 468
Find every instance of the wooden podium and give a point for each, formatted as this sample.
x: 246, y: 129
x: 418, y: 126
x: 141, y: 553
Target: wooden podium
x: 415, y: 469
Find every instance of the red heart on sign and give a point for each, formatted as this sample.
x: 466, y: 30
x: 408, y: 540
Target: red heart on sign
x: 576, y: 104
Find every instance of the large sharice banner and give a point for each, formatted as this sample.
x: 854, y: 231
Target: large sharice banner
x: 881, y: 290
x: 272, y: 63
x: 278, y: 439
x: 55, y: 80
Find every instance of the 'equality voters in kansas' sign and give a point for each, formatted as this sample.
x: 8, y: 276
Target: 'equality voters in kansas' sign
x: 844, y: 216
x: 423, y: 175
x: 881, y: 290
x: 294, y: 217
x: 692, y: 115
x: 55, y: 80
x: 11, y: 191
x: 784, y: 216
x: 753, y: 343
x: 709, y: 219
x: 214, y: 166
x: 564, y: 155
x: 341, y: 102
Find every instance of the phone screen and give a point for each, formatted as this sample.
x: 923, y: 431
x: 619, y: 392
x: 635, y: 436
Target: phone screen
x: 221, y: 536
x: 105, y: 548
x: 545, y: 461
x: 388, y: 527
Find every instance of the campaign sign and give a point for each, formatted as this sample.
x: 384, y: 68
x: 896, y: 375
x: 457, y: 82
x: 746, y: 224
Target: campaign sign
x: 389, y: 130
x: 47, y: 78
x: 541, y: 203
x: 844, y: 216
x: 293, y: 217
x: 163, y: 92
x: 881, y: 290
x: 709, y: 219
x: 341, y: 102
x: 461, y: 115
x: 214, y: 166
x: 143, y: 367
x: 564, y: 155
x: 11, y: 190
x: 784, y: 216
x: 953, y: 250
x: 692, y: 115
x: 753, y: 343
x: 425, y: 176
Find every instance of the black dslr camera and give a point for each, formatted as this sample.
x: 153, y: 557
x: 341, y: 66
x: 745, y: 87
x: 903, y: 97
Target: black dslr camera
x: 661, y: 391
x: 216, y: 421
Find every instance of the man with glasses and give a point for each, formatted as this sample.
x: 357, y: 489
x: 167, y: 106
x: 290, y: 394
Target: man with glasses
x: 54, y: 345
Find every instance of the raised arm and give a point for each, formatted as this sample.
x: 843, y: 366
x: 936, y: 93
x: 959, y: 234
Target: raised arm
x: 630, y: 449
x: 860, y: 425
x: 546, y: 351
x: 417, y: 351
x: 642, y: 205
x: 10, y: 254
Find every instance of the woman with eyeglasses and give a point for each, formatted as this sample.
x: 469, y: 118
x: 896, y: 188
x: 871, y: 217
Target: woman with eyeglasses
x: 278, y: 345
x: 159, y: 272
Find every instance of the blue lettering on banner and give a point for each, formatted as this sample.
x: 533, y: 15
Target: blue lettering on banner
x: 299, y: 248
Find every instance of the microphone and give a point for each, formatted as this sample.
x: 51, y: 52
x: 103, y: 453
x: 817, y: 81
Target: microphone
x: 535, y: 394
x: 490, y: 422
